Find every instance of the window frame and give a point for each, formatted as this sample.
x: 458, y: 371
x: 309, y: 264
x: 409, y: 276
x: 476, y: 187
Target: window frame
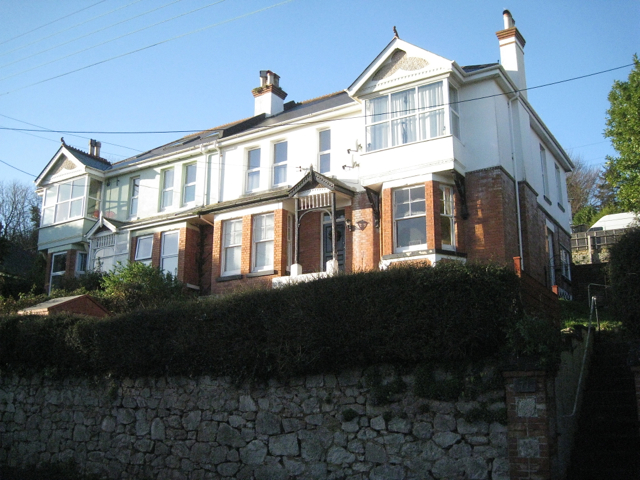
x: 138, y: 255
x: 253, y: 171
x: 56, y: 204
x: 408, y: 248
x: 186, y: 184
x: 227, y: 235
x: 565, y: 260
x: 419, y: 115
x: 454, y: 111
x: 57, y: 273
x: 281, y: 165
x: 559, y: 185
x: 324, y: 154
x: 85, y: 255
x: 166, y: 256
x: 134, y: 195
x: 257, y: 242
x: 167, y: 190
x: 448, y: 214
x: 545, y: 172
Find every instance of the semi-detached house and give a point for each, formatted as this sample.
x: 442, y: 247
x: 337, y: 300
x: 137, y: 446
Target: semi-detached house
x: 418, y: 159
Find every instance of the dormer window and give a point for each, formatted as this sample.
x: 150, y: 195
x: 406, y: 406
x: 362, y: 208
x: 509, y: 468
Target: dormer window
x: 409, y: 116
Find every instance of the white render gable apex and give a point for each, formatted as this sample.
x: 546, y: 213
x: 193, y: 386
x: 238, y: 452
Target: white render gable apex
x: 399, y: 63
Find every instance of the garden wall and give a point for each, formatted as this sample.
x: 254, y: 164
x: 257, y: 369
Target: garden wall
x: 317, y: 427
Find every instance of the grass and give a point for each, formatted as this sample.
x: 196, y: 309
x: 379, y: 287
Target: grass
x: 577, y: 313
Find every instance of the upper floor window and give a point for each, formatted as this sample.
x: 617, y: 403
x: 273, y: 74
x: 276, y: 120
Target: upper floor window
x: 280, y: 163
x: 189, y: 189
x: 169, y: 253
x: 447, y: 219
x: 409, y: 218
x: 231, y: 246
x: 406, y: 116
x: 63, y: 201
x: 167, y: 189
x: 143, y: 249
x: 559, y: 185
x: 324, y: 138
x: 453, y: 111
x: 253, y: 170
x: 543, y: 169
x: 262, y: 242
x: 135, y: 192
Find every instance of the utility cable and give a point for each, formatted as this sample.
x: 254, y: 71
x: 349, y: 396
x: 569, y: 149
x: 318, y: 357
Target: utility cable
x: 62, y: 31
x: 51, y: 22
x: 16, y: 168
x: 278, y: 125
x: 108, y: 41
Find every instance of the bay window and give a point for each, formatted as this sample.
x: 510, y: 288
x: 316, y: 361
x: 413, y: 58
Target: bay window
x: 63, y: 201
x: 262, y: 242
x: 409, y: 218
x: 231, y: 246
x: 409, y: 116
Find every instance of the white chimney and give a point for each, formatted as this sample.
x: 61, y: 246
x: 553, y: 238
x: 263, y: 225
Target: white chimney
x: 512, y: 52
x: 269, y: 96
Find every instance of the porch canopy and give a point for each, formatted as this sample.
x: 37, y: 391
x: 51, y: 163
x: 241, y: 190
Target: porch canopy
x: 317, y: 192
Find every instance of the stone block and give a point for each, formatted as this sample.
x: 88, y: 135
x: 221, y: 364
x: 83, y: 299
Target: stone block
x: 284, y: 445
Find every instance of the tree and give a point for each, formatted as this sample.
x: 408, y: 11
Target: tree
x: 581, y: 184
x: 18, y: 204
x: 623, y: 128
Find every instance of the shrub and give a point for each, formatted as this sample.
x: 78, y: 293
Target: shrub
x: 403, y: 316
x: 624, y: 271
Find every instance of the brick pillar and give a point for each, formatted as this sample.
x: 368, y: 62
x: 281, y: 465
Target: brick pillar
x: 280, y: 241
x: 247, y: 231
x: 432, y: 206
x: 386, y: 222
x: 531, y: 412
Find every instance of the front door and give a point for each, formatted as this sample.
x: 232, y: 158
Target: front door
x: 327, y: 253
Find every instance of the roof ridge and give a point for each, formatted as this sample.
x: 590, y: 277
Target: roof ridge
x: 88, y: 154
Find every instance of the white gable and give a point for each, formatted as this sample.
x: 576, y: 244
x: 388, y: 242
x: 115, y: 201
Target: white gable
x: 398, y: 64
x: 62, y: 166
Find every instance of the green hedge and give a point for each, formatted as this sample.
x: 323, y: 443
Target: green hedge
x: 624, y: 272
x: 404, y: 315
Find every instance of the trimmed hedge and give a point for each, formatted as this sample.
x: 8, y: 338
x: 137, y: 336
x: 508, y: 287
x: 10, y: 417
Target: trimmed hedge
x: 624, y: 272
x: 405, y: 315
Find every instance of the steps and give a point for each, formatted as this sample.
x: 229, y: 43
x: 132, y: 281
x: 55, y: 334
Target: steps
x: 607, y: 444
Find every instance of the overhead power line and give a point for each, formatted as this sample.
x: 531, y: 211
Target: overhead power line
x: 52, y: 21
x: 150, y: 46
x: 110, y: 40
x: 277, y: 125
x: 59, y: 32
x: 16, y: 168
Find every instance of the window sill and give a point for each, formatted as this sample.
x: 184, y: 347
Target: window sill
x: 406, y: 144
x: 263, y: 273
x: 228, y: 278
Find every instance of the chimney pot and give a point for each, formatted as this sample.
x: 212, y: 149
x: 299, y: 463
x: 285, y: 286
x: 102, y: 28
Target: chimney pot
x: 508, y: 19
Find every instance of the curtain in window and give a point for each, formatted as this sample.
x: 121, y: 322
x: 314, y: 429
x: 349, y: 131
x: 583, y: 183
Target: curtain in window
x: 432, y: 122
x: 403, y: 130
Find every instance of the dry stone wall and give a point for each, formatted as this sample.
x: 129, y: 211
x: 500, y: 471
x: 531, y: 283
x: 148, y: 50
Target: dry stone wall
x: 318, y: 427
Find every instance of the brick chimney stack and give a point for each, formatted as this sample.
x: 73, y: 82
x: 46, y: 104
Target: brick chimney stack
x: 512, y: 51
x: 94, y: 148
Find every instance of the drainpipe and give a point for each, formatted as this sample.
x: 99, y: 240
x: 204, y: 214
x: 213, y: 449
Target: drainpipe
x: 515, y: 175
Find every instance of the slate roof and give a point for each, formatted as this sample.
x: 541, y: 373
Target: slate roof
x: 475, y: 68
x: 92, y: 161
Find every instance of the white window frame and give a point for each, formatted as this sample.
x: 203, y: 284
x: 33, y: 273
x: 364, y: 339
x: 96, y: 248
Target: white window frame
x: 230, y: 243
x: 253, y: 171
x: 262, y: 238
x: 407, y: 248
x: 134, y: 197
x: 324, y: 154
x: 454, y: 111
x: 545, y: 173
x: 166, y: 190
x: 164, y: 255
x: 565, y: 258
x: 57, y: 210
x: 141, y: 256
x: 447, y: 216
x: 79, y: 255
x: 280, y: 161
x: 187, y: 185
x: 57, y: 273
x: 416, y: 118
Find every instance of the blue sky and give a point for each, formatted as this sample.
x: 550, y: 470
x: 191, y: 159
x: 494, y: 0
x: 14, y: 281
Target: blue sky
x: 204, y: 79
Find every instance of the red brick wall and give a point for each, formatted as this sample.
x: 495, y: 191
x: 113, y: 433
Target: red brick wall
x: 432, y: 206
x: 364, y: 241
x: 534, y: 235
x: 386, y: 222
x: 310, y: 242
x: 188, y: 256
x: 490, y: 232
